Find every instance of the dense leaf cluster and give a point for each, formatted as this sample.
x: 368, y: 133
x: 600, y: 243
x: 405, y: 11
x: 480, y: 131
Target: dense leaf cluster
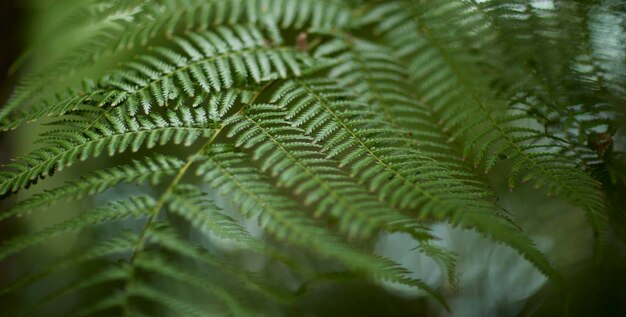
x: 329, y: 122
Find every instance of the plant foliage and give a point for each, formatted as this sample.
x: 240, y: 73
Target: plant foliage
x: 330, y: 123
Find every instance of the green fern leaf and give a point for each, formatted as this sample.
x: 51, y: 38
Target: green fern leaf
x: 133, y: 207
x: 81, y: 138
x: 151, y: 169
x: 331, y: 124
x: 295, y: 157
x: 494, y: 131
x: 279, y: 216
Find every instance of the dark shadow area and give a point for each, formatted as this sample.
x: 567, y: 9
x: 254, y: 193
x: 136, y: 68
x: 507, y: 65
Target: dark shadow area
x: 12, y: 35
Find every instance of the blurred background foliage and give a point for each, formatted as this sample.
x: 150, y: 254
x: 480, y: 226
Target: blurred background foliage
x: 495, y: 280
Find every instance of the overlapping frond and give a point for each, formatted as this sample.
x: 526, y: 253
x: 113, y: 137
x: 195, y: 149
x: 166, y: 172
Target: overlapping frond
x: 376, y: 153
x: 191, y: 204
x: 578, y: 102
x: 375, y: 158
x: 297, y: 163
x: 331, y: 123
x: 282, y: 217
x: 122, y: 25
x: 201, y: 64
x: 460, y: 97
x: 225, y: 287
x: 152, y: 169
x: 378, y: 81
x: 134, y: 207
x: 81, y: 137
x: 109, y: 248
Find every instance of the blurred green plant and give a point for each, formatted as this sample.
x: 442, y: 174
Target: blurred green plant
x: 339, y: 126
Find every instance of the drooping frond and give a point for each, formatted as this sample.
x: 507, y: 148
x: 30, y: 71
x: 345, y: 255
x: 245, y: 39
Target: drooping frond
x: 280, y: 216
x: 191, y: 204
x: 108, y: 248
x: 330, y: 123
x: 297, y: 162
x: 459, y: 97
x: 574, y: 101
x: 150, y: 169
x: 157, y: 264
x: 134, y: 207
x: 378, y: 81
x: 175, y: 305
x: 375, y: 160
x: 80, y: 137
x: 248, y: 280
x: 376, y: 153
x: 123, y: 25
x: 445, y: 259
x: 202, y: 63
x: 142, y: 206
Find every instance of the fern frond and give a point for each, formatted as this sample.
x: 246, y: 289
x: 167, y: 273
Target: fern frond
x: 177, y: 306
x: 281, y: 217
x: 561, y: 25
x: 380, y: 82
x: 175, y: 17
x: 296, y: 161
x: 445, y: 259
x: 489, y: 130
x: 100, y: 305
x: 191, y: 204
x: 167, y: 239
x: 401, y: 177
x: 376, y: 153
x: 80, y: 138
x: 577, y: 100
x: 108, y: 275
x: 133, y: 207
x: 209, y: 61
x: 170, y: 17
x: 108, y: 248
x: 151, y: 169
x: 159, y: 265
x: 331, y: 123
x: 249, y: 281
x: 202, y: 63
